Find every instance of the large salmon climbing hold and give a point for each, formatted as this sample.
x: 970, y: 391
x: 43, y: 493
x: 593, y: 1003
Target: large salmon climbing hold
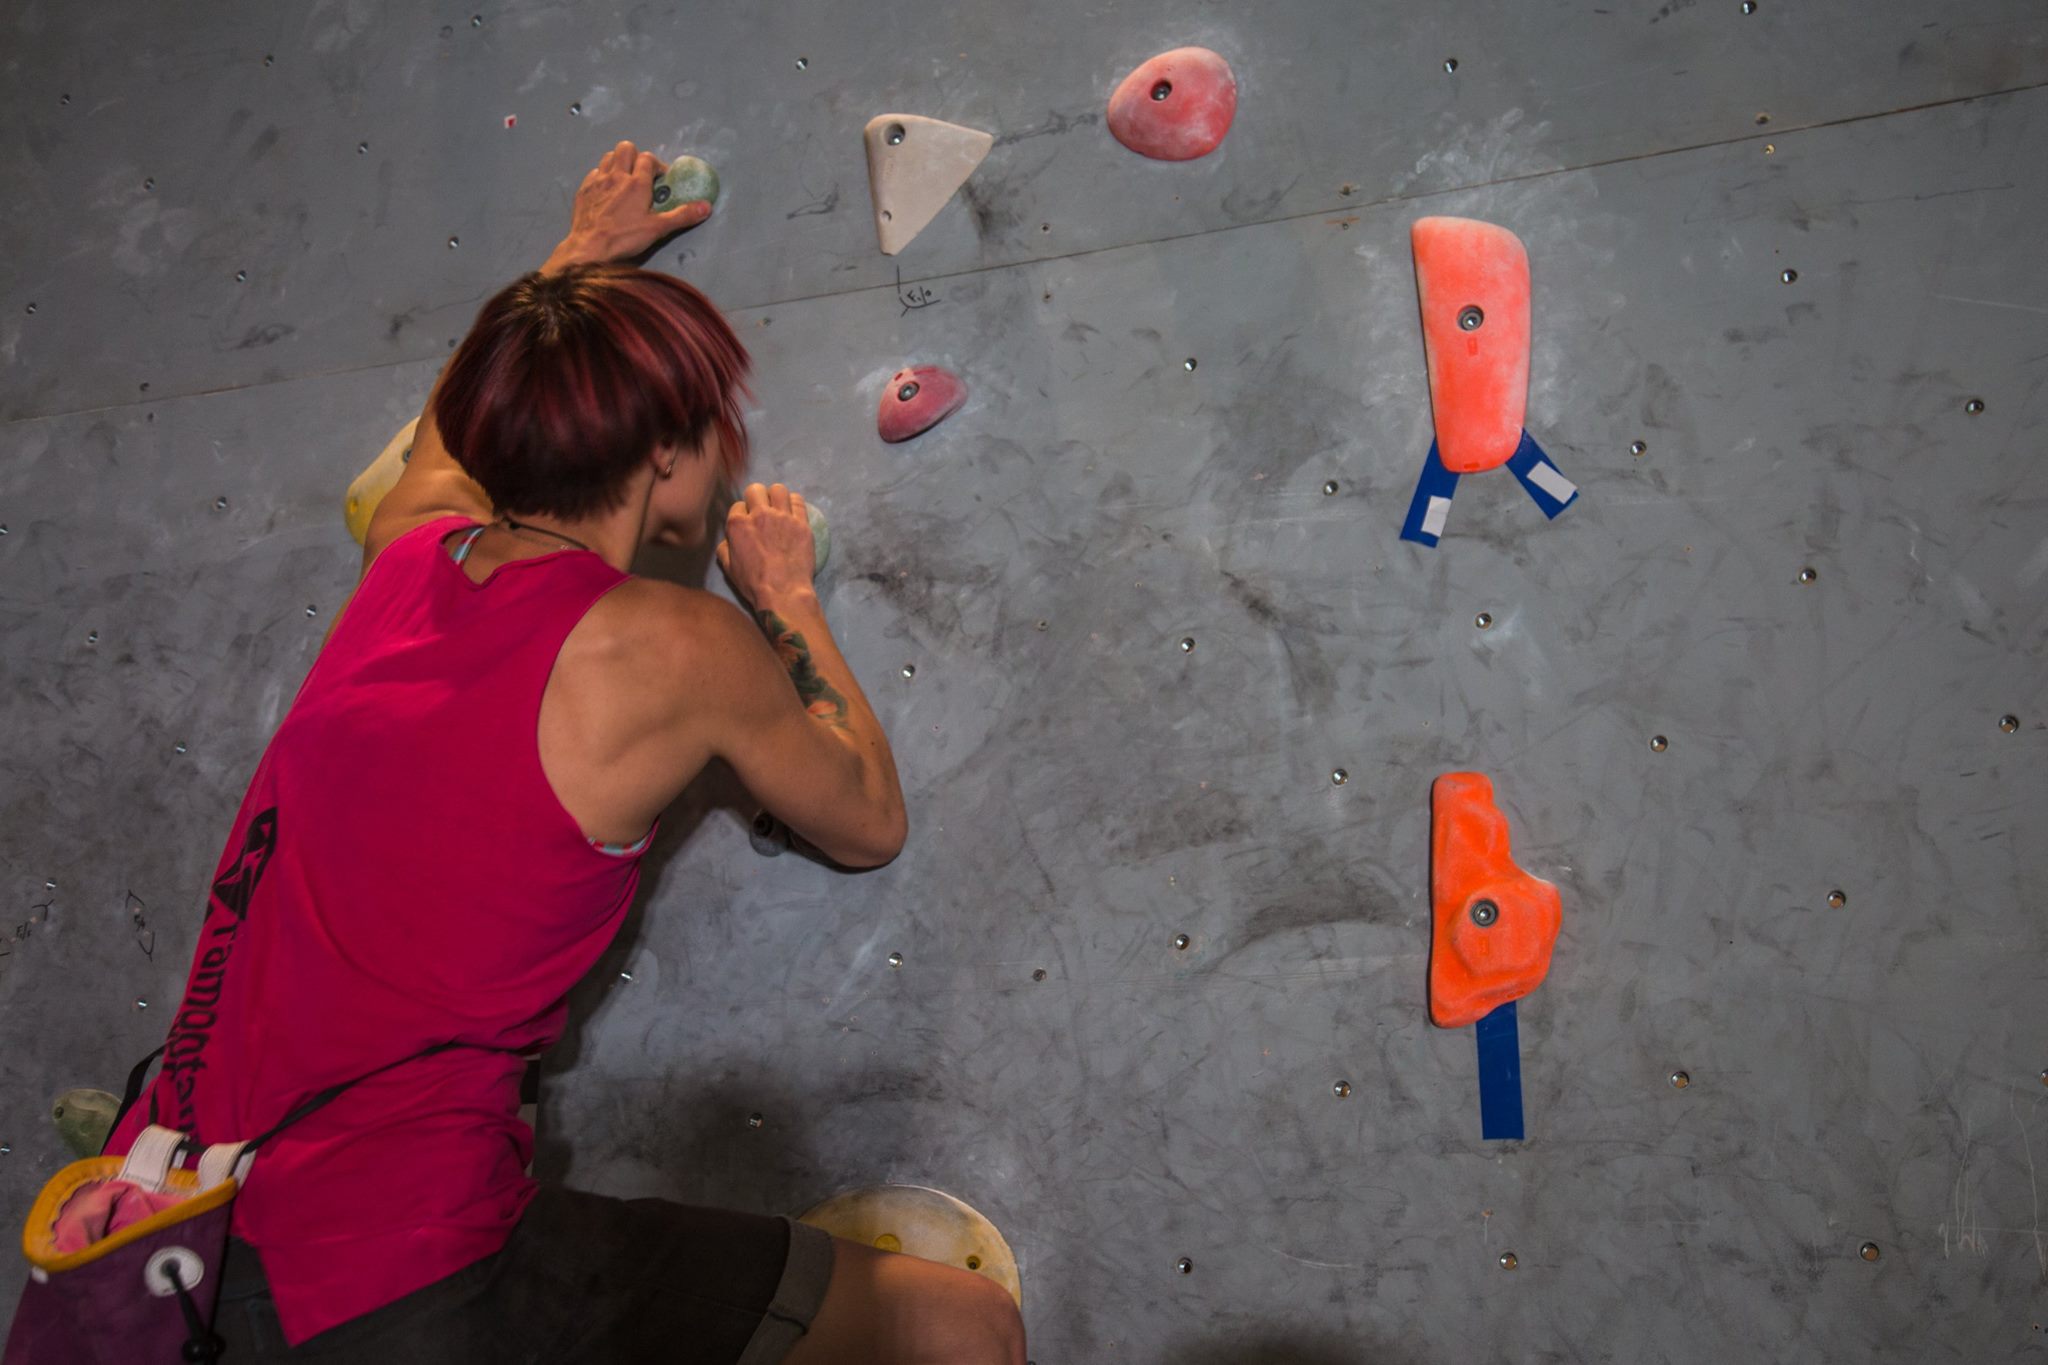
x: 917, y: 399
x: 1473, y: 281
x: 370, y: 486
x: 1494, y: 924
x: 1175, y: 107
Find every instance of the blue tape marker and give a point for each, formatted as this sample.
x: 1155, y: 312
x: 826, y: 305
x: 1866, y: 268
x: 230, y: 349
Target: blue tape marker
x: 1432, y: 501
x: 1500, y: 1074
x: 1545, y: 483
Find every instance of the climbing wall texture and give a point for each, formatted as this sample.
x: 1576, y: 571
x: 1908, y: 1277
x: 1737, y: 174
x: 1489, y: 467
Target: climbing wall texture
x: 1794, y: 253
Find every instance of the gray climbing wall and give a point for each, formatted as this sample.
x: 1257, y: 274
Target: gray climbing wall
x: 238, y: 239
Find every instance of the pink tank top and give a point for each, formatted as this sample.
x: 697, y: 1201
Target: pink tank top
x: 400, y: 874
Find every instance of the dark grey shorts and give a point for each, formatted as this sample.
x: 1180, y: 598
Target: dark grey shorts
x: 583, y: 1278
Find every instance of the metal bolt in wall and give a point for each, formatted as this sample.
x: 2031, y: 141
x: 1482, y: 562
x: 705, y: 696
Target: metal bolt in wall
x: 1788, y: 275
x: 1508, y: 1260
x: 1330, y: 489
x: 1637, y: 447
x: 1188, y: 364
x: 755, y: 1120
x: 1974, y: 406
x: 1342, y: 1090
x: 1680, y: 1080
x: 1338, y: 777
x: 1450, y: 65
x: 1484, y: 620
x: 1484, y: 913
x: 1184, y: 1266
x: 1868, y: 1251
x: 1181, y: 942
x: 1808, y: 574
x: 1837, y: 899
x: 2008, y: 723
x: 1658, y: 744
x: 1038, y: 974
x: 1187, y: 644
x: 909, y: 671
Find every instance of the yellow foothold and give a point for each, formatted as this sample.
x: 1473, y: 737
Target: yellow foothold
x: 370, y: 486
x: 921, y: 1222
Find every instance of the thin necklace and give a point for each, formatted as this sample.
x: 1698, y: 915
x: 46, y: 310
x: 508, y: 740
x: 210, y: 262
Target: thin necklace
x: 522, y: 526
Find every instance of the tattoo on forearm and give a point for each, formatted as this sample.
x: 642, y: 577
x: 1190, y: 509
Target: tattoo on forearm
x: 819, y: 697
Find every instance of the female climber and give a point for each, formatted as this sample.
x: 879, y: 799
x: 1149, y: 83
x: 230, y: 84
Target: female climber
x: 445, y: 832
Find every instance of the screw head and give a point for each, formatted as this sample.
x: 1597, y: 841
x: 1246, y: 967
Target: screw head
x: 755, y: 1120
x: 1184, y: 1266
x: 150, y: 183
x: 1483, y: 620
x: 92, y: 637
x: 312, y: 611
x: 1658, y: 744
x: 1342, y: 1090
x: 1869, y: 1251
x: 894, y: 136
x: 906, y: 393
x: 1974, y: 406
x: 220, y: 504
x: 1162, y: 90
x: 141, y: 1004
x: 31, y: 310
x: 178, y: 748
x: 1450, y: 65
x: 1788, y: 275
x: 1187, y: 644
x: 895, y: 959
x: 1038, y: 974
x: 1338, y: 777
x: 1188, y: 364
x: 2008, y: 723
x: 909, y: 671
x: 1508, y: 1261
x: 1181, y: 942
x: 1484, y: 913
x: 241, y: 277
x: 1330, y: 489
x: 576, y: 108
x: 1749, y: 6
x: 1837, y: 899
x: 1808, y: 574
x: 1679, y: 1080
x: 454, y: 242
x: 1471, y: 318
x: 803, y: 63
x: 476, y: 21
x: 1637, y: 447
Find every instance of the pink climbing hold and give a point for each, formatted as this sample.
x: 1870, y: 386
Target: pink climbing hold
x: 1175, y: 107
x: 918, y: 398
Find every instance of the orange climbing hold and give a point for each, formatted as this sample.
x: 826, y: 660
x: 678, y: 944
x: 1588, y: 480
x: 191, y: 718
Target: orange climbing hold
x: 1473, y: 282
x: 1494, y: 923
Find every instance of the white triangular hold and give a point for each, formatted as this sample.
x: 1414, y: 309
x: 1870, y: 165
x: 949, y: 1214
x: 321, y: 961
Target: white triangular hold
x: 914, y: 166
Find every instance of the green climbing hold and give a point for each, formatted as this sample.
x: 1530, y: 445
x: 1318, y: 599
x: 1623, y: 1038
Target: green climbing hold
x: 688, y: 179
x: 84, y: 1118
x: 821, y: 539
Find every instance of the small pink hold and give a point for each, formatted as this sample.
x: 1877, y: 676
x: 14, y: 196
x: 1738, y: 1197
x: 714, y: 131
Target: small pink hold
x: 1175, y: 107
x: 918, y: 398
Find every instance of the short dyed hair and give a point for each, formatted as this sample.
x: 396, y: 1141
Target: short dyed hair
x: 567, y: 382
